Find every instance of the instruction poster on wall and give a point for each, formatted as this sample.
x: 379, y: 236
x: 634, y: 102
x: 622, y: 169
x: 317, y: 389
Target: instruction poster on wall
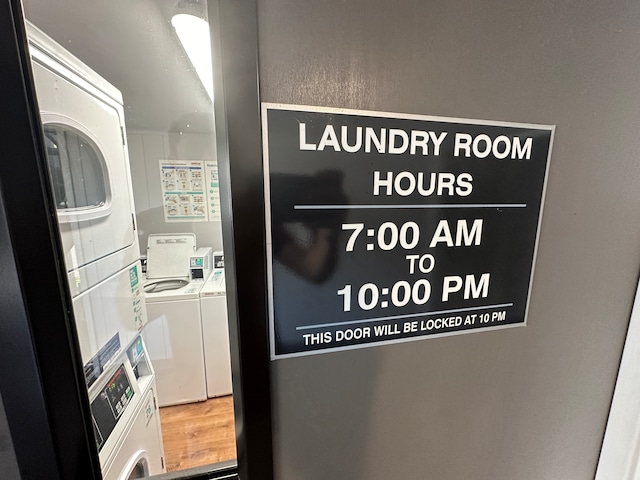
x: 386, y: 228
x: 213, y: 190
x: 183, y: 192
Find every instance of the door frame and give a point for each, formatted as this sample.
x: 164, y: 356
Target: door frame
x: 234, y: 45
x: 44, y: 394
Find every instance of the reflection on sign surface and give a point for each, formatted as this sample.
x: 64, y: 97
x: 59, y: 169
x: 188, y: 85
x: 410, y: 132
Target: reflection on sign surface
x: 388, y: 227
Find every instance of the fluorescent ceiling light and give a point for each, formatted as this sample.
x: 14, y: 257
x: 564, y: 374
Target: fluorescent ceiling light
x: 193, y: 33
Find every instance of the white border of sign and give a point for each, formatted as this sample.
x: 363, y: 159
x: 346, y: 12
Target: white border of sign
x: 400, y: 116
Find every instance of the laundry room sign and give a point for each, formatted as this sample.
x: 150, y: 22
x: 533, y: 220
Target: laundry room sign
x: 385, y: 228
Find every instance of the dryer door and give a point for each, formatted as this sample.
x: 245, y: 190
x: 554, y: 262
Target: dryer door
x: 89, y: 168
x: 137, y: 467
x: 138, y: 447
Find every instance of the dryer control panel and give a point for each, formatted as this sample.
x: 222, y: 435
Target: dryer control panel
x: 109, y: 405
x: 201, y: 264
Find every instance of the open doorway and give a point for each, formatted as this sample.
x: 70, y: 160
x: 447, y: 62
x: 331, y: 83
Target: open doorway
x: 177, y: 337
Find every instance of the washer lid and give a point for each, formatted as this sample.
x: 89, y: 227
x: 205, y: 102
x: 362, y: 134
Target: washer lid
x: 168, y: 255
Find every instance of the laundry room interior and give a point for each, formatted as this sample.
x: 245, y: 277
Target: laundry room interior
x: 180, y: 327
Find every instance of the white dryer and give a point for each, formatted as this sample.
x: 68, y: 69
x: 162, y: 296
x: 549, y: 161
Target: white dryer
x: 83, y: 120
x: 173, y: 334
x: 215, y: 334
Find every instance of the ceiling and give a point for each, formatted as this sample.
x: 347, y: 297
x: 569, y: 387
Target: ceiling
x: 132, y: 45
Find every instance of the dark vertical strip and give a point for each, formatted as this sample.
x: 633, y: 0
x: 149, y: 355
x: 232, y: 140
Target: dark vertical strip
x: 41, y: 371
x: 19, y: 378
x: 8, y: 460
x: 239, y: 140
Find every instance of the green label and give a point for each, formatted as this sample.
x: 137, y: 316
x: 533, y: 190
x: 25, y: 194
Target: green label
x: 133, y: 276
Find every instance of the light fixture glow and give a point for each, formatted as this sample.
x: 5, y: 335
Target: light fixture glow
x: 193, y: 33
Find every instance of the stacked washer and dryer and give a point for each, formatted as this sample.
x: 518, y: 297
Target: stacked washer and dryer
x: 83, y: 121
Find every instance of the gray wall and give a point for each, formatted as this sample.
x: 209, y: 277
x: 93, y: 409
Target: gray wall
x: 524, y: 403
x: 8, y: 461
x: 145, y: 150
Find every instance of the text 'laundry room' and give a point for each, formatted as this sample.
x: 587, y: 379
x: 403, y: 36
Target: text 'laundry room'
x: 126, y: 103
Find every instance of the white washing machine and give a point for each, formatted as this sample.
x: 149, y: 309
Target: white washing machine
x: 215, y: 334
x: 173, y: 334
x: 126, y: 419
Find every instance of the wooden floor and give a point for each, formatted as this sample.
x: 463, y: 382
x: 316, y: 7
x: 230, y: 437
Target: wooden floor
x: 198, y: 434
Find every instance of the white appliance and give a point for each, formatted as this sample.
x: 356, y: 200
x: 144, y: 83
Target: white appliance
x: 201, y: 264
x: 173, y: 334
x: 83, y: 123
x: 83, y: 120
x: 126, y: 419
x: 215, y: 334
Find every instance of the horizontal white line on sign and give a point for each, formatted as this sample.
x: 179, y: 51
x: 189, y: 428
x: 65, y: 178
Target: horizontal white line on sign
x: 410, y: 315
x: 471, y: 205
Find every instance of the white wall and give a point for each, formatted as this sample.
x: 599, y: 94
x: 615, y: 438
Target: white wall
x: 145, y: 149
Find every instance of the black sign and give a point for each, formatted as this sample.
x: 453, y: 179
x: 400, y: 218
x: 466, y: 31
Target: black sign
x: 388, y: 227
